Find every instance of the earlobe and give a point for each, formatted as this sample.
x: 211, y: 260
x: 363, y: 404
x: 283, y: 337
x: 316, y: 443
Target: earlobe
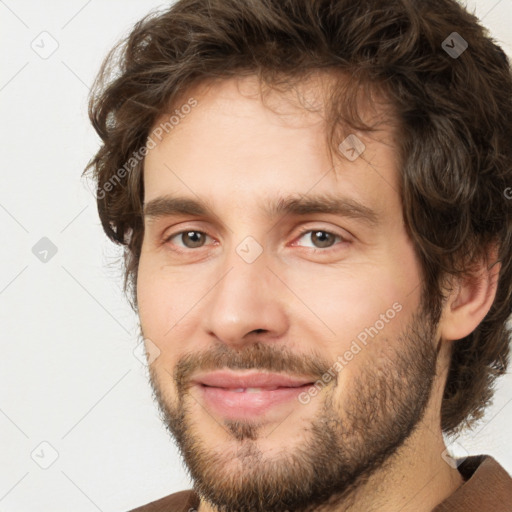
x: 471, y: 300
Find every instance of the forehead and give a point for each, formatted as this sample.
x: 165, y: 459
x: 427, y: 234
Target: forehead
x: 235, y: 147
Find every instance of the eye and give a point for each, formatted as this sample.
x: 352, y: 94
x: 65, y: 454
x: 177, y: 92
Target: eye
x: 320, y: 238
x: 195, y: 239
x: 191, y: 239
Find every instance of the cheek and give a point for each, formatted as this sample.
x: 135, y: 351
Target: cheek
x: 157, y: 320
x: 149, y: 296
x: 362, y: 312
x: 347, y: 300
x: 158, y: 298
x: 165, y: 306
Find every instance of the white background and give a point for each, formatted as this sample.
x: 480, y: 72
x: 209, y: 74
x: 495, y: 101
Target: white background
x: 69, y: 376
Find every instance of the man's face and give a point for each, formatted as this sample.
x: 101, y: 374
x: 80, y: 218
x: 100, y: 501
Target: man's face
x: 251, y: 305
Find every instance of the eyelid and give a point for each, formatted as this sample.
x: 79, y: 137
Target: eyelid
x: 305, y: 229
x: 167, y: 238
x: 169, y: 231
x: 309, y: 229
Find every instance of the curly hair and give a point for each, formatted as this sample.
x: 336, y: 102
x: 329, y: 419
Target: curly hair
x: 450, y: 87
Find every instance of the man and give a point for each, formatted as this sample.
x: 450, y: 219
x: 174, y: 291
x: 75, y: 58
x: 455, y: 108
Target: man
x: 312, y: 197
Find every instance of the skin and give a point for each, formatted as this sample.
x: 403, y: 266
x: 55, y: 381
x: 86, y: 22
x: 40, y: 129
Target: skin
x: 307, y: 305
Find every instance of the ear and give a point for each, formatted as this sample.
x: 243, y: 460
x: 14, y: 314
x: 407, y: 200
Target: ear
x: 471, y: 299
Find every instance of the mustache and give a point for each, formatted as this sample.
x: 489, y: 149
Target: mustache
x: 257, y: 356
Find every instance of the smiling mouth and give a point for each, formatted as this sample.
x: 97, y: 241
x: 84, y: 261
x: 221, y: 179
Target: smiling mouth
x: 251, y: 402
x: 256, y: 390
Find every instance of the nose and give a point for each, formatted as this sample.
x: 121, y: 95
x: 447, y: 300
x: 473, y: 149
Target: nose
x: 247, y: 300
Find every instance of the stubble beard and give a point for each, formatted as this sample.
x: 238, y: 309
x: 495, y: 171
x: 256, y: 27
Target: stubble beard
x: 342, y: 448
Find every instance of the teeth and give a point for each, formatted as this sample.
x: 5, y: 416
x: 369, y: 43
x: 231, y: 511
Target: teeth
x: 252, y: 390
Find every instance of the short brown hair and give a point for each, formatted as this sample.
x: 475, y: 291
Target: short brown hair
x: 454, y: 153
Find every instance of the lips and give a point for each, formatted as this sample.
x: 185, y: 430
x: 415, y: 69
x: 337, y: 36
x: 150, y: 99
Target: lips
x: 250, y: 380
x: 249, y: 394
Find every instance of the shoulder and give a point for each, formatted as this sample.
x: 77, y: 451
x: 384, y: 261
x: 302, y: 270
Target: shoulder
x: 182, y: 501
x: 487, y: 486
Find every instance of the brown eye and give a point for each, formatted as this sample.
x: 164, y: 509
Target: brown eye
x: 196, y: 238
x: 322, y: 238
x: 190, y: 239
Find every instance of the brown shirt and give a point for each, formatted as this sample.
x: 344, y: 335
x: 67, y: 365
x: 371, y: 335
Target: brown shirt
x: 487, y: 488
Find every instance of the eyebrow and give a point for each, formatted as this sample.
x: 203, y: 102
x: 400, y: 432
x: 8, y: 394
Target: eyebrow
x: 167, y: 205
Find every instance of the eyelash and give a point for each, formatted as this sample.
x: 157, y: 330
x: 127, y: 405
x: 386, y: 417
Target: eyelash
x: 301, y: 233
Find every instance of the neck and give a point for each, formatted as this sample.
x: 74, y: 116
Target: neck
x: 415, y: 479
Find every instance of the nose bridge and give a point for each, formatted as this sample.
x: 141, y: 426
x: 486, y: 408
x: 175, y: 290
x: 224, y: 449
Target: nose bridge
x: 245, y: 297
